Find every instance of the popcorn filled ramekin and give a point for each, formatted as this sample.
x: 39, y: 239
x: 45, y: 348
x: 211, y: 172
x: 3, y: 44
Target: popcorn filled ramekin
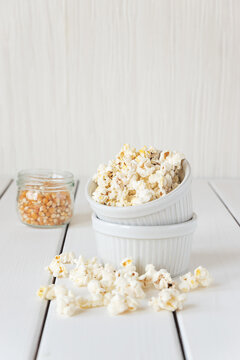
x: 173, y: 208
x: 167, y: 246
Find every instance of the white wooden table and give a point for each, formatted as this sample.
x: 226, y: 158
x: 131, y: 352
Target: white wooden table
x: 207, y: 328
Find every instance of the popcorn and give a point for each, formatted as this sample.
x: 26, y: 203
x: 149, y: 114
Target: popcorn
x: 147, y: 278
x: 46, y: 292
x: 126, y: 262
x: 51, y: 292
x: 56, y: 268
x: 168, y: 299
x: 67, y: 258
x: 96, y: 291
x: 108, y: 277
x: 85, y: 271
x: 129, y: 287
x: 120, y: 304
x: 80, y: 276
x: 136, y: 177
x: 188, y: 282
x: 202, y: 276
x: 118, y: 290
x: 127, y: 270
x: 162, y: 280
x: 67, y: 304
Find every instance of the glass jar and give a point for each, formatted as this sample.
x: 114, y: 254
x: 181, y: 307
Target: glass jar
x: 45, y: 198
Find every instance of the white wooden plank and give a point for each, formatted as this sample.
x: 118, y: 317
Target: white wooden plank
x: 93, y: 333
x: 229, y: 191
x: 24, y: 251
x: 210, y: 324
x: 4, y: 182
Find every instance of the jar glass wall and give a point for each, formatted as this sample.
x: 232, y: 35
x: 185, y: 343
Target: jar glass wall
x: 45, y: 198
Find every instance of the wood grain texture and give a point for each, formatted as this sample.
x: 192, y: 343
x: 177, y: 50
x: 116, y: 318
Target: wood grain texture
x: 94, y: 333
x: 209, y: 323
x: 79, y: 78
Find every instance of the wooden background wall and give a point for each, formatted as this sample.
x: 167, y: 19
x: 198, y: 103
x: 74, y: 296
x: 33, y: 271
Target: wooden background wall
x: 79, y: 78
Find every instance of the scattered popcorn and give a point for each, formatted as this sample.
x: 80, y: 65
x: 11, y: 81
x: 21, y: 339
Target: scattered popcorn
x: 120, y: 304
x: 168, y: 299
x: 188, y: 282
x: 79, y: 276
x: 96, y: 291
x: 202, y: 276
x: 118, y: 290
x: 147, y: 278
x: 51, y: 292
x: 129, y: 287
x: 46, y: 292
x: 108, y: 277
x: 67, y: 258
x: 67, y: 304
x: 162, y: 280
x: 136, y: 177
x: 56, y: 268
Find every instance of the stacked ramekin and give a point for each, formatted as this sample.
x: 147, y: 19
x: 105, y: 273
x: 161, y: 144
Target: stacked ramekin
x: 159, y: 232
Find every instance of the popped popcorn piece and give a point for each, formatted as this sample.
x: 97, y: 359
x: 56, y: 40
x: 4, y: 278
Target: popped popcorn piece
x: 202, y: 276
x: 67, y: 258
x: 127, y: 270
x: 187, y: 282
x: 84, y: 303
x: 162, y: 280
x: 67, y: 304
x: 80, y: 276
x: 136, y: 177
x: 51, y: 292
x: 56, y: 268
x: 46, y: 292
x: 85, y: 271
x: 129, y: 287
x: 108, y: 277
x: 168, y: 299
x: 119, y: 304
x: 96, y: 291
x: 147, y: 278
x: 126, y: 262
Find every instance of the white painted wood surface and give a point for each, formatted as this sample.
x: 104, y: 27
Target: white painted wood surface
x: 229, y: 191
x: 4, y: 182
x: 79, y: 78
x: 93, y: 333
x: 210, y: 324
x: 24, y: 252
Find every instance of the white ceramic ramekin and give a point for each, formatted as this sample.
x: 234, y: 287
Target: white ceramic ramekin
x: 173, y: 208
x: 167, y: 246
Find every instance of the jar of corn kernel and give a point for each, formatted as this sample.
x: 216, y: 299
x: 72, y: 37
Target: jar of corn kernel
x: 45, y: 197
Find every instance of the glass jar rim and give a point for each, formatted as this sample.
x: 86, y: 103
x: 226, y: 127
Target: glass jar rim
x: 40, y: 177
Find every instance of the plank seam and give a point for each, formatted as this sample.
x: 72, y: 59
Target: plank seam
x: 222, y: 201
x: 6, y: 188
x: 179, y: 335
x: 53, y: 282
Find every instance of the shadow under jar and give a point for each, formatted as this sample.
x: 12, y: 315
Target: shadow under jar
x: 45, y: 198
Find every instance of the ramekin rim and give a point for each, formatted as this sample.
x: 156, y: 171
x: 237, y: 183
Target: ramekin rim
x: 142, y: 231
